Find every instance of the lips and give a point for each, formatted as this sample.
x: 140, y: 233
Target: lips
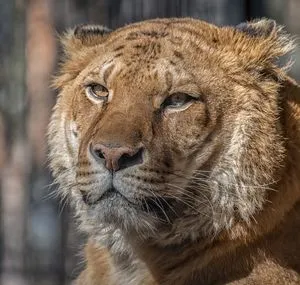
x: 110, y: 194
x: 161, y: 207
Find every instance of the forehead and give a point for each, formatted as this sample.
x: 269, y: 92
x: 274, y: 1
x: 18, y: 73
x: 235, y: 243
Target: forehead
x: 164, y: 53
x: 151, y: 49
x: 145, y: 54
x: 150, y: 42
x: 145, y: 60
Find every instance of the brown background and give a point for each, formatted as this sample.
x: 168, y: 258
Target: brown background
x: 38, y: 243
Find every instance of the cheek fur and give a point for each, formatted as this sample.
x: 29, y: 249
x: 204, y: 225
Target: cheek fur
x: 186, y: 129
x: 72, y: 139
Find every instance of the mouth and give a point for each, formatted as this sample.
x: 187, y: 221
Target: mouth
x: 110, y: 194
x: 115, y: 209
x: 157, y: 205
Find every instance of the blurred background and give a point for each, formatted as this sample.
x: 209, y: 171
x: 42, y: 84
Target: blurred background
x: 38, y: 240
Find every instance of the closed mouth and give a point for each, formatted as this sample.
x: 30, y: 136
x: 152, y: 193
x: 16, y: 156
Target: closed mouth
x: 110, y: 194
x: 159, y: 206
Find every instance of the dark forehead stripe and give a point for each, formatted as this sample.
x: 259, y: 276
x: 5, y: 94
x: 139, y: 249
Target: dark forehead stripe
x: 178, y: 54
x: 161, y: 28
x: 141, y: 47
x: 171, y: 62
x: 146, y: 52
x: 158, y: 48
x: 155, y: 34
x: 146, y: 34
x: 107, y: 73
x: 118, y: 54
x: 119, y: 48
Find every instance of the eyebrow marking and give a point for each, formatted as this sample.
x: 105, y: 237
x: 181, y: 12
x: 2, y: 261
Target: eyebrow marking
x: 107, y: 72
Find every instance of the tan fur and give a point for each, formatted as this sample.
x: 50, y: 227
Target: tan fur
x: 223, y: 171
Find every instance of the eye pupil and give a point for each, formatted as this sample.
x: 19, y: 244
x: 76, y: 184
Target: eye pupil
x: 97, y: 88
x: 96, y: 91
x: 177, y: 100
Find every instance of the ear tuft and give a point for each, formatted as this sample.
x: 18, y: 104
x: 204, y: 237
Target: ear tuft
x: 90, y: 35
x: 84, y: 31
x: 83, y: 36
x: 258, y: 28
x: 261, y: 43
x: 273, y: 35
x: 78, y: 44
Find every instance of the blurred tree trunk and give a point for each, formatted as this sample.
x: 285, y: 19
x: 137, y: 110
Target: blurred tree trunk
x: 15, y: 171
x: 45, y: 256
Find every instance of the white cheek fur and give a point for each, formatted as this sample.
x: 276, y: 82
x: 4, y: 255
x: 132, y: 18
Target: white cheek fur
x: 74, y: 135
x: 72, y: 140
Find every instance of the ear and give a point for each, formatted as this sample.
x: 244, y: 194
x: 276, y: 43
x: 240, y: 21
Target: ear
x: 258, y: 28
x: 261, y: 42
x: 83, y: 36
x: 77, y: 44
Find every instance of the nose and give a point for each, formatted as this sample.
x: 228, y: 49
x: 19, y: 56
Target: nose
x: 116, y: 158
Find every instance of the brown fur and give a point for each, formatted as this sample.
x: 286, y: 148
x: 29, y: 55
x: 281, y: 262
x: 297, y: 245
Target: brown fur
x: 223, y: 170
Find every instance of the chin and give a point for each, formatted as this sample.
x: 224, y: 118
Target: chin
x: 115, y: 212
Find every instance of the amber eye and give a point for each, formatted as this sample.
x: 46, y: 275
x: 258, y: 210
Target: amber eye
x: 177, y: 100
x: 96, y: 92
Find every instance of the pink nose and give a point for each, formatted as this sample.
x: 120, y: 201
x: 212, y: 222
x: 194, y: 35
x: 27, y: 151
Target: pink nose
x: 116, y: 158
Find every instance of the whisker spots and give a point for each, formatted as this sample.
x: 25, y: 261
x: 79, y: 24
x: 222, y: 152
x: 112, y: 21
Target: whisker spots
x: 87, y: 173
x: 88, y: 183
x: 83, y: 163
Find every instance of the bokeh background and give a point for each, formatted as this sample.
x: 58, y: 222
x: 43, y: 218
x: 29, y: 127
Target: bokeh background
x: 38, y: 240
